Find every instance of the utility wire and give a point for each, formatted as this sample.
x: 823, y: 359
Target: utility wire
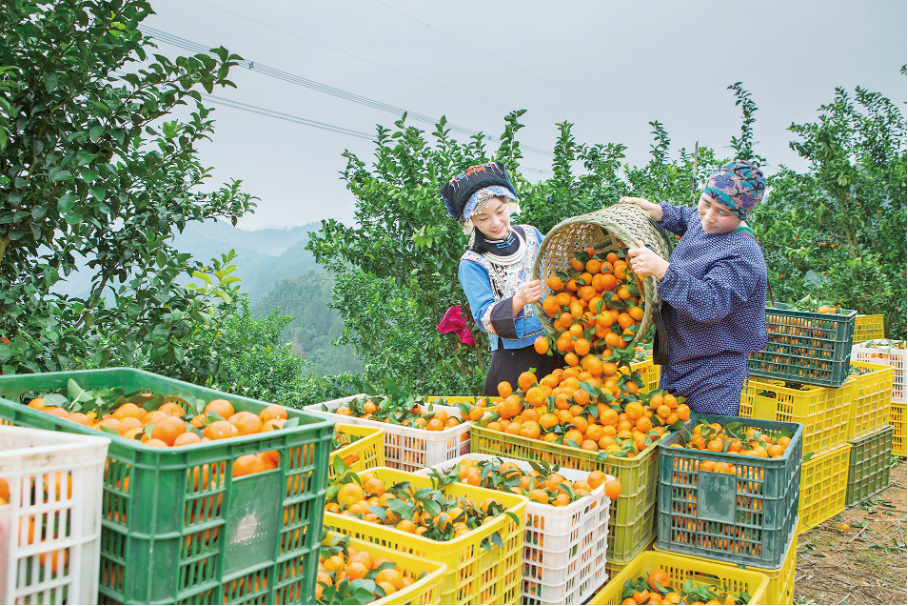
x: 506, y: 62
x: 323, y: 88
x: 306, y: 122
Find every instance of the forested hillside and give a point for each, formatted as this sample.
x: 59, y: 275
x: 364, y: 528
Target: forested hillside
x: 314, y: 324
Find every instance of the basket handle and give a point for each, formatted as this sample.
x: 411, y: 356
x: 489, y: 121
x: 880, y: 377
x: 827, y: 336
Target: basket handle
x: 661, y: 231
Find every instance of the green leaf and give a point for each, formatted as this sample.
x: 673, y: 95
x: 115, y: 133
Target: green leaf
x: 109, y: 430
x: 66, y: 202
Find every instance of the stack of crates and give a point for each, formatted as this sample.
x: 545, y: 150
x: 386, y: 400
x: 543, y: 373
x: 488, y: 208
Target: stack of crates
x: 891, y: 353
x: 806, y: 375
x: 176, y: 525
x: 744, y: 520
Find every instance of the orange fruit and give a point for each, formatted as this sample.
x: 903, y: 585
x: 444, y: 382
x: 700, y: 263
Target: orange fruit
x: 526, y: 379
x: 37, y: 403
x: 220, y: 430
x: 273, y: 412
x: 185, y: 439
x: 555, y: 283
x: 612, y: 489
x: 168, y: 429
x: 128, y: 410
x: 246, y: 422
x: 390, y: 576
x: 248, y: 465
x: 350, y: 493
x: 504, y: 389
x: 172, y: 409
x: 658, y: 577
x: 222, y: 408
x: 153, y: 443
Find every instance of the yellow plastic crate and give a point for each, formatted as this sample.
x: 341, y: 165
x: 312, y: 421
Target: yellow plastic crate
x: 613, y: 567
x: 898, y: 419
x: 871, y: 396
x: 869, y: 327
x: 649, y: 372
x: 823, y: 411
x: 426, y: 590
x: 680, y: 568
x: 824, y: 486
x: 781, y: 580
x: 889, y: 352
x: 363, y: 448
x: 474, y: 575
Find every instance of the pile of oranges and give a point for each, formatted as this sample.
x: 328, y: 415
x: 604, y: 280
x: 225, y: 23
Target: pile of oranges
x: 541, y: 484
x: 598, y: 307
x: 598, y: 407
x: 342, y: 568
x: 409, y: 415
x: 170, y: 426
x: 431, y: 514
x: 656, y: 589
x: 733, y: 438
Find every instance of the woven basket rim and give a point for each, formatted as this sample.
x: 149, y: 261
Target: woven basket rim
x: 609, y: 220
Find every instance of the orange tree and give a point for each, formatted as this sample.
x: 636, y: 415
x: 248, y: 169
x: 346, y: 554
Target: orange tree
x: 838, y: 231
x: 90, y: 167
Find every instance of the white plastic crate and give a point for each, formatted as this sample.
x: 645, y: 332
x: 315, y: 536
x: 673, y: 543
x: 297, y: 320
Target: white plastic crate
x: 881, y: 351
x: 408, y: 448
x: 564, y: 547
x: 50, y: 531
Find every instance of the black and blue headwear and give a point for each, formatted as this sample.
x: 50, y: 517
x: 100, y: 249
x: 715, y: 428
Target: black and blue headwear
x: 466, y: 192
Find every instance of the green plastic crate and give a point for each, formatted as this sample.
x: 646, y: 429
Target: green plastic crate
x: 744, y: 518
x: 806, y: 347
x: 868, y: 469
x: 168, y: 538
x: 630, y: 516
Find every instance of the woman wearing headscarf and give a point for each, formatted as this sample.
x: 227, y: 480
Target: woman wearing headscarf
x: 713, y: 289
x: 496, y: 269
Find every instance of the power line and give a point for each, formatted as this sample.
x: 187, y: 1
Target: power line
x: 195, y: 47
x: 314, y: 124
x: 506, y: 62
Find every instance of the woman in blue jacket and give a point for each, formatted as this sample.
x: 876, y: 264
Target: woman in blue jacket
x: 713, y: 289
x: 496, y: 270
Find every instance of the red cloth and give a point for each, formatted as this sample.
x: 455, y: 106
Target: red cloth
x: 455, y: 322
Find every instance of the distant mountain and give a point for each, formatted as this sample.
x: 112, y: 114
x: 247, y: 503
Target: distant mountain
x: 265, y: 256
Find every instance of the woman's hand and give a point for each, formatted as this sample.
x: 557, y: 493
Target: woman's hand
x: 653, y: 210
x: 529, y: 292
x: 645, y: 262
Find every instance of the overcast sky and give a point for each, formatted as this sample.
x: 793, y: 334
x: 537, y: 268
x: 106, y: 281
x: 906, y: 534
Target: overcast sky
x: 609, y: 67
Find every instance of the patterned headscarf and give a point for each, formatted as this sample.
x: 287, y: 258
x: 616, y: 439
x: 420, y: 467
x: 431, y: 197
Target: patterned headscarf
x: 738, y: 185
x: 466, y: 193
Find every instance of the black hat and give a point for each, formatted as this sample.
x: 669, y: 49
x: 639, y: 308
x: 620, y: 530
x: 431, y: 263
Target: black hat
x: 457, y: 192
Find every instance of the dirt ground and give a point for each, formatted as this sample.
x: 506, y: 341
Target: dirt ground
x: 865, y: 564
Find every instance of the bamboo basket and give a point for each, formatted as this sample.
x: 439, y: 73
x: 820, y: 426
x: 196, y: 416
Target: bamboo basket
x: 610, y: 229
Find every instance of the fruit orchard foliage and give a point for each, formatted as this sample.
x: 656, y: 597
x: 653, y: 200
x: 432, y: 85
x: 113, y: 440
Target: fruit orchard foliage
x: 83, y: 172
x: 397, y: 271
x: 845, y: 219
